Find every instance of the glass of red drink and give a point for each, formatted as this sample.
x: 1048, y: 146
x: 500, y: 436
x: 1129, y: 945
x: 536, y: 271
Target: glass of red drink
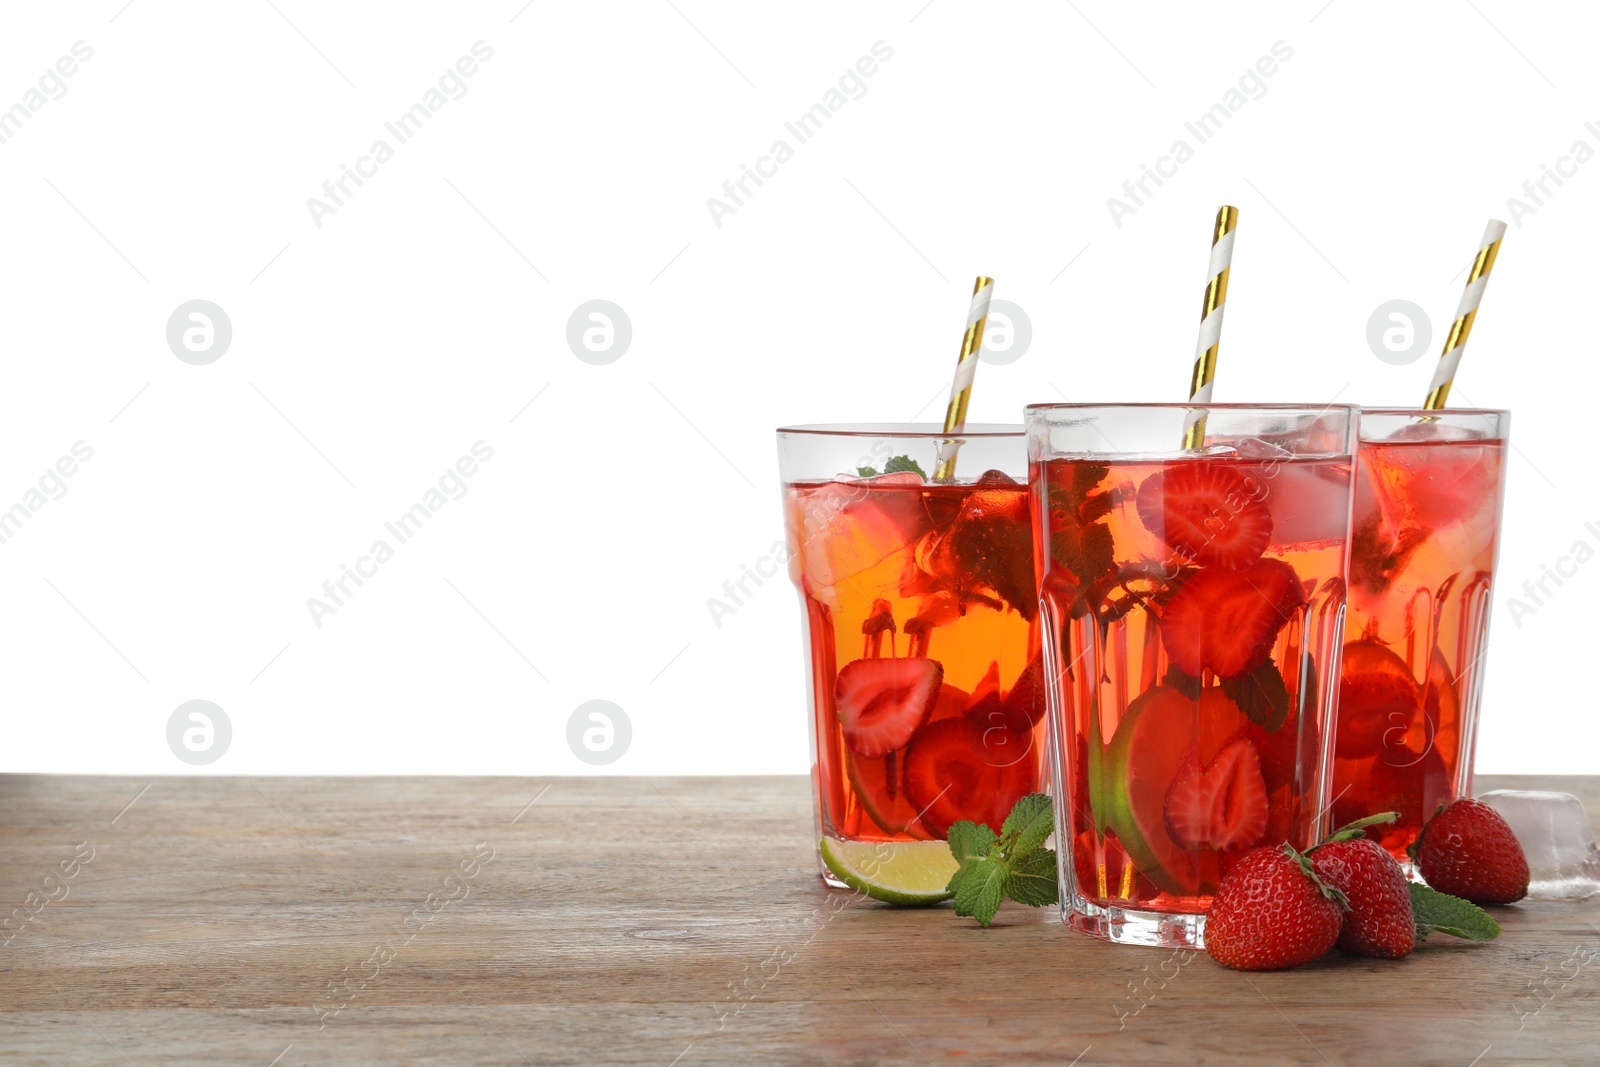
x: 1423, y: 538
x: 921, y: 627
x: 1193, y: 606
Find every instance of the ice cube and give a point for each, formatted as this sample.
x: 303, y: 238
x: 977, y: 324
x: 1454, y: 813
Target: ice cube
x: 987, y: 545
x: 1252, y: 448
x: 1558, y: 839
x: 1448, y: 484
x: 1408, y: 495
x: 849, y: 526
x: 1308, y: 502
x: 895, y: 478
x: 1431, y: 431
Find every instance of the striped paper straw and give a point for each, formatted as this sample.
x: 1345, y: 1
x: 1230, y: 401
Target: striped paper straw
x: 1466, y: 314
x: 955, y: 416
x: 1205, y: 351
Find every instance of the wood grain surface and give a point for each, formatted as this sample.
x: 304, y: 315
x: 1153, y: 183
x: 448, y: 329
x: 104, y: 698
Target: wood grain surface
x: 457, y: 921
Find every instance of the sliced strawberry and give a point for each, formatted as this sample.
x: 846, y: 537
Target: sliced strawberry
x: 989, y: 546
x: 1019, y: 710
x: 986, y: 708
x: 1158, y: 730
x: 1279, y: 830
x: 1378, y: 703
x: 1226, y: 621
x: 1027, y: 695
x: 1440, y: 722
x: 960, y: 769
x: 1278, y: 752
x: 883, y: 702
x: 953, y: 703
x: 1188, y: 805
x: 988, y: 687
x: 1239, y: 815
x: 1207, y: 512
x: 879, y: 783
x: 1415, y: 791
x: 1222, y: 806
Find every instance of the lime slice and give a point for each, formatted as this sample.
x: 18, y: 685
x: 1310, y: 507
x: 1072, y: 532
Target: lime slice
x: 899, y: 872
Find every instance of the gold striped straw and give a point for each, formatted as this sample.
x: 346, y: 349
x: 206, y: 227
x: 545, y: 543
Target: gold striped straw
x: 1466, y: 314
x: 1205, y: 353
x: 955, y: 416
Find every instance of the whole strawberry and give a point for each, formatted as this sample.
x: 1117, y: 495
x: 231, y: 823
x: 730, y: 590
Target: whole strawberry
x: 1380, y: 921
x: 1271, y: 911
x: 1468, y: 850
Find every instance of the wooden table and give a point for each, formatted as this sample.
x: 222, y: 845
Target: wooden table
x: 281, y: 921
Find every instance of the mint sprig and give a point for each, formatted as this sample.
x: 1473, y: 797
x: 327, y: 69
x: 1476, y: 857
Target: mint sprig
x: 897, y: 465
x: 1433, y: 910
x: 1013, y: 863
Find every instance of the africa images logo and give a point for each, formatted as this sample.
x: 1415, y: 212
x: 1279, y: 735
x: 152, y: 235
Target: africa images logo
x: 806, y: 126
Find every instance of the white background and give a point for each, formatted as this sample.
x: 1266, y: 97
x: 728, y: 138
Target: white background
x: 424, y: 315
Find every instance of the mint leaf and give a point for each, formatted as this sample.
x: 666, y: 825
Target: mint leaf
x: 1085, y: 476
x: 900, y: 464
x: 1085, y: 551
x: 969, y: 843
x: 1187, y: 684
x: 897, y: 465
x: 1078, y: 543
x: 982, y: 888
x: 1029, y: 823
x: 1261, y: 695
x: 1033, y: 879
x: 1434, y: 910
x: 999, y: 554
x: 1011, y: 864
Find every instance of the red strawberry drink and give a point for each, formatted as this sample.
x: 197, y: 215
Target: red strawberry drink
x: 1422, y: 555
x: 1192, y: 607
x: 920, y: 610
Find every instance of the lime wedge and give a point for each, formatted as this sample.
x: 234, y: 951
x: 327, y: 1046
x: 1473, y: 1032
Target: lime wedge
x: 898, y: 872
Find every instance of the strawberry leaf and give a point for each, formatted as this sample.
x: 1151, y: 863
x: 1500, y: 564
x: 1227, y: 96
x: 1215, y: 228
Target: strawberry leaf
x: 1434, y: 910
x: 1358, y: 828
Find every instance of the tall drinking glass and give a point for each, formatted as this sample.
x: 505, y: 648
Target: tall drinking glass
x: 1193, y: 605
x: 921, y: 627
x: 1422, y: 554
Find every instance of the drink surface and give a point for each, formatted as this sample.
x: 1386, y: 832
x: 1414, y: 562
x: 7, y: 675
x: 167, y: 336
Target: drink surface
x: 922, y: 636
x: 1422, y: 554
x: 1198, y: 605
